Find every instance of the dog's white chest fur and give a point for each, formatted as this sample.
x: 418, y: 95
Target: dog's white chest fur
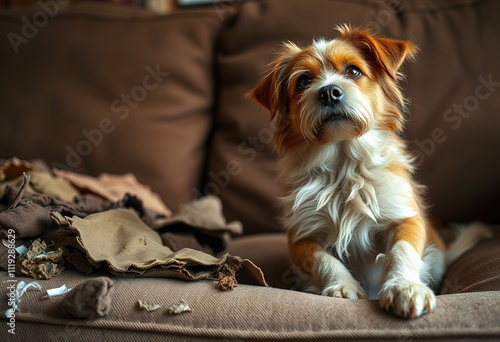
x: 345, y: 193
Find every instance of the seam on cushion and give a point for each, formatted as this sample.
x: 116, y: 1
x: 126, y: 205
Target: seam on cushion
x: 185, y: 330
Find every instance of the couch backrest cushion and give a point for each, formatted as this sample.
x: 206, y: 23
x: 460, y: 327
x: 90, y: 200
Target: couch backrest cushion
x: 454, y: 118
x: 100, y: 88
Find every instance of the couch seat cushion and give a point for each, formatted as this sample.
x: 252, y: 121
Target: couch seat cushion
x: 245, y: 313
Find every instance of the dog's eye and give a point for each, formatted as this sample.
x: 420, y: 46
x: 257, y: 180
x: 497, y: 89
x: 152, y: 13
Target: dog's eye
x: 303, y: 82
x: 353, y: 72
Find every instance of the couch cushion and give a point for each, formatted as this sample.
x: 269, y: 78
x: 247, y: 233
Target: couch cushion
x: 102, y: 88
x: 453, y: 85
x: 245, y: 313
x: 476, y: 270
x: 270, y: 252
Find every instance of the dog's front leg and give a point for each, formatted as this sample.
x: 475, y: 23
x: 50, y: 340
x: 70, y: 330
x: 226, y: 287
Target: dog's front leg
x: 403, y: 291
x: 328, y: 275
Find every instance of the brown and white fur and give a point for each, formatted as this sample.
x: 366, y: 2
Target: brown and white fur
x: 355, y: 217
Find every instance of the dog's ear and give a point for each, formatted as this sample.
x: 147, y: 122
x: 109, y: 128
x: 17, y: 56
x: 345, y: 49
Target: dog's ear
x: 265, y: 91
x: 271, y: 91
x: 389, y: 54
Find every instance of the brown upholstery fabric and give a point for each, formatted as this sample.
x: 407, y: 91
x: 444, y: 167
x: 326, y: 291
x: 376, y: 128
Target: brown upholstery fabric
x: 457, y: 58
x: 247, y: 313
x: 476, y: 270
x: 103, y: 88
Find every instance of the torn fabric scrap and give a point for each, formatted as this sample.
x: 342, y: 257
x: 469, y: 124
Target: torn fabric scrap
x: 199, y: 224
x: 115, y: 187
x: 179, y: 308
x: 120, y: 241
x: 57, y: 291
x: 40, y: 263
x: 148, y: 307
x: 13, y: 168
x: 226, y: 278
x: 21, y: 250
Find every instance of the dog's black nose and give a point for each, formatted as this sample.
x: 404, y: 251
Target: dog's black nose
x: 330, y: 95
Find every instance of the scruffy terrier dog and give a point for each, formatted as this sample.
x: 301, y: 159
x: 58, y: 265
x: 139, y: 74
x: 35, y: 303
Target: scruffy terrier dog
x: 355, y: 217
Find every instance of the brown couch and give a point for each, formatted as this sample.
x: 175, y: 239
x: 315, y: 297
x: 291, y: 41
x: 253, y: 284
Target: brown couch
x: 97, y: 88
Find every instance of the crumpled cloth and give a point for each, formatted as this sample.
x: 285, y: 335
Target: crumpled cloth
x: 118, y: 241
x: 114, y: 187
x: 89, y: 299
x: 40, y: 262
x: 41, y: 181
x: 200, y: 225
x: 29, y: 193
x: 65, y: 185
x: 13, y: 167
x: 31, y: 217
x: 51, y: 207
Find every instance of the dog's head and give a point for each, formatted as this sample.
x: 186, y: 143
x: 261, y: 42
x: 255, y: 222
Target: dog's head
x: 334, y: 90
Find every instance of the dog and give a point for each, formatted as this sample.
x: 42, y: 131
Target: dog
x: 356, y: 219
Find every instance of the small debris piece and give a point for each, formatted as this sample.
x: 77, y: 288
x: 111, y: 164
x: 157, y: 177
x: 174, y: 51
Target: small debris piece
x: 57, y: 291
x: 226, y: 277
x: 21, y: 250
x: 179, y: 308
x: 40, y: 263
x: 225, y: 282
x: 148, y: 307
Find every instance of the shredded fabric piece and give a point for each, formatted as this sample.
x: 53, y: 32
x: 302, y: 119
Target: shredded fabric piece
x: 94, y: 240
x: 21, y: 289
x: 114, y: 187
x: 19, y: 196
x: 21, y: 250
x: 148, y: 307
x: 40, y: 263
x: 202, y: 225
x: 57, y: 291
x: 179, y: 308
x: 30, y: 217
x: 226, y: 283
x: 226, y: 278
x: 13, y: 167
x: 90, y: 230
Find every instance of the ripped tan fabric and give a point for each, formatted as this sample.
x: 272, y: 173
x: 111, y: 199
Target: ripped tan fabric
x: 95, y: 233
x: 120, y: 242
x: 41, y: 262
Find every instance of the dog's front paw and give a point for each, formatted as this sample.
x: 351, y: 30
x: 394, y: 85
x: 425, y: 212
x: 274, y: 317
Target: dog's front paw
x: 407, y: 299
x: 346, y: 290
